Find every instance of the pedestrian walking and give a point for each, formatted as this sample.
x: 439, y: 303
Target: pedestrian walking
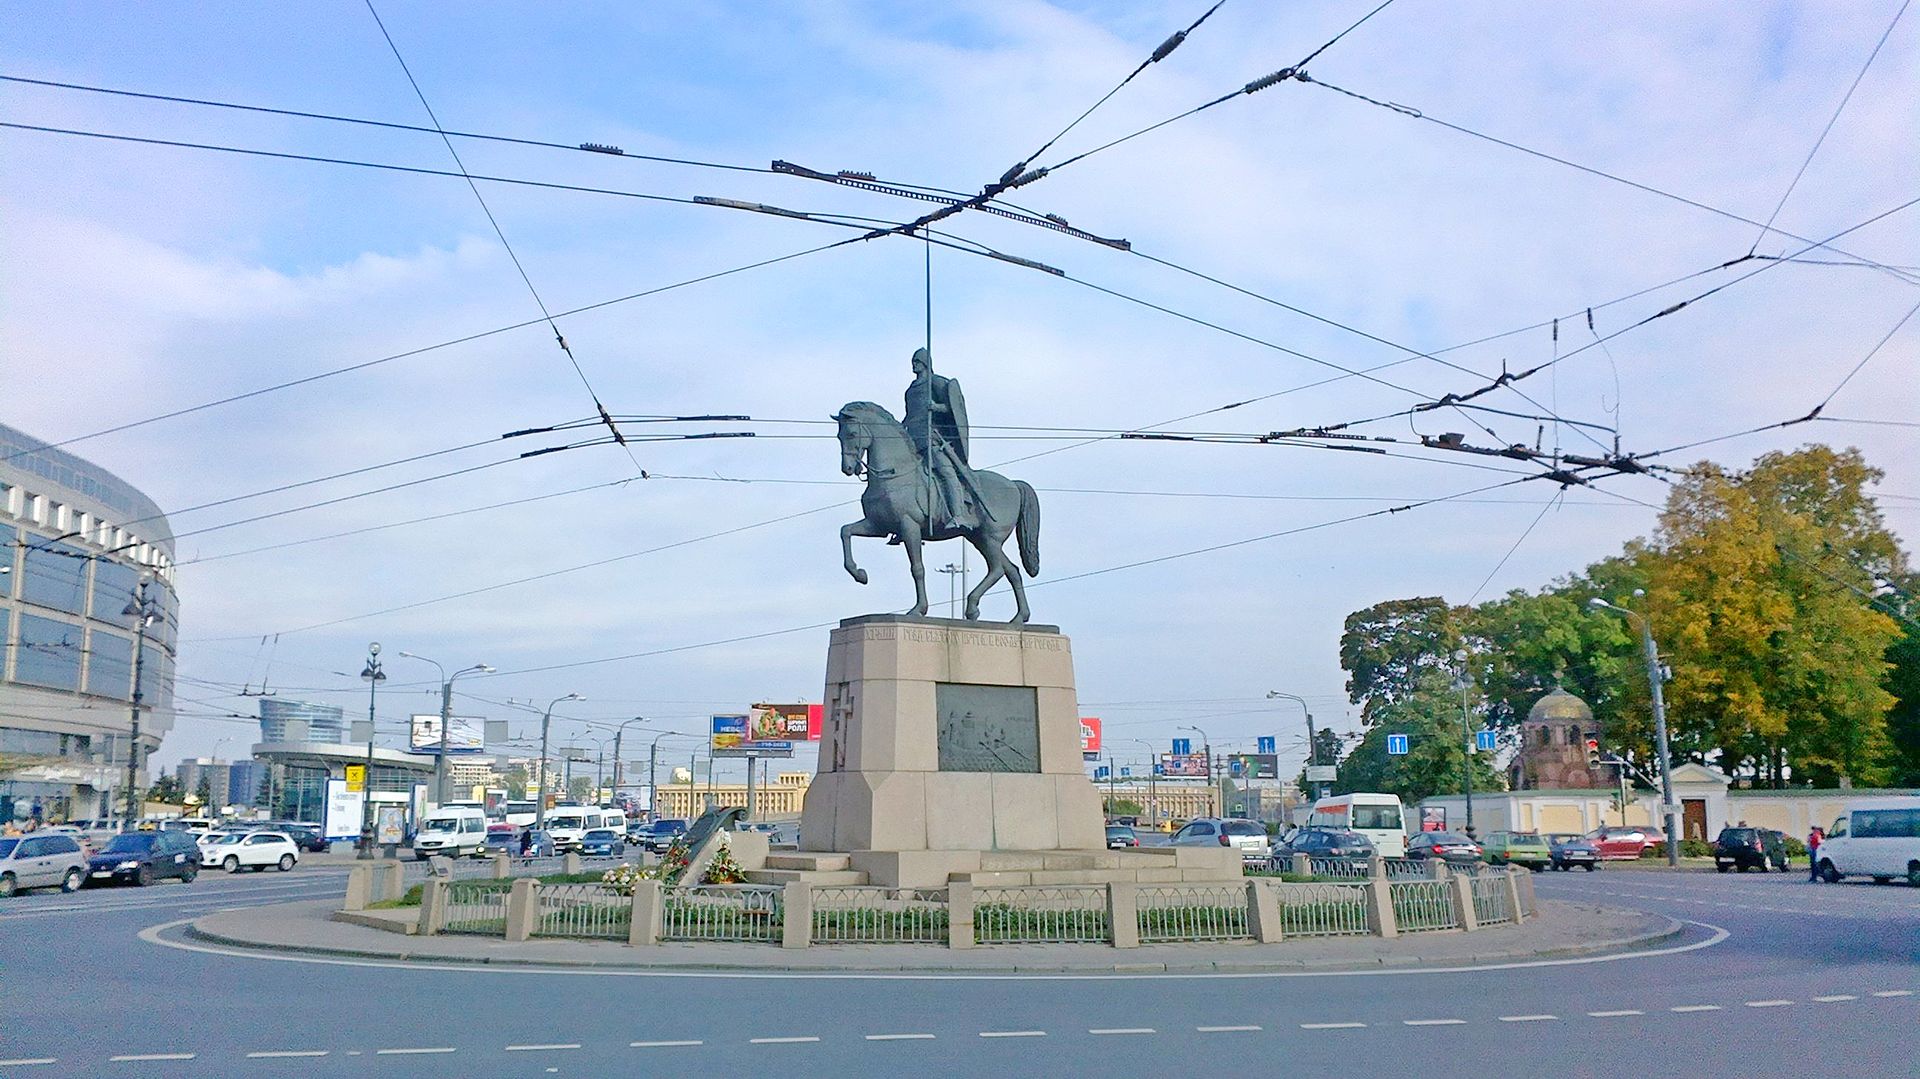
x: 1813, y: 853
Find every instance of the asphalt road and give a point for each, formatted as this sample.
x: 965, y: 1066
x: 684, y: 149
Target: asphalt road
x: 1775, y: 977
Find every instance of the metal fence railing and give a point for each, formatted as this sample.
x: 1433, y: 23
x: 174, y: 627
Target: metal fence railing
x: 1035, y: 914
x: 1409, y: 868
x: 1322, y: 910
x: 726, y: 912
x: 1420, y: 905
x: 867, y: 915
x: 1192, y: 912
x: 583, y: 910
x: 1339, y: 868
x: 477, y: 906
x: 1492, y: 903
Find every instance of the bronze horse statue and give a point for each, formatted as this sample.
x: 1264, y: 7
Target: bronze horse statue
x: 874, y: 445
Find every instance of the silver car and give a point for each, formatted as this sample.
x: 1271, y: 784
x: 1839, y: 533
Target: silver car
x: 1249, y: 837
x: 50, y: 860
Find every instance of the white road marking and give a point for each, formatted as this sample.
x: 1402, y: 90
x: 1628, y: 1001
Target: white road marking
x: 1616, y: 1012
x: 1434, y: 1022
x: 1835, y: 998
x: 1332, y: 1026
x: 663, y: 1045
x: 780, y: 1041
x: 1527, y: 1018
x: 1768, y: 1003
x: 1123, y: 1030
x: 1894, y: 993
x: 152, y: 1056
x: 542, y: 1048
x: 1225, y: 1030
x: 899, y: 1037
x: 28, y: 1060
x: 412, y: 1052
x: 1695, y: 1008
x: 1013, y: 1034
x: 279, y: 1053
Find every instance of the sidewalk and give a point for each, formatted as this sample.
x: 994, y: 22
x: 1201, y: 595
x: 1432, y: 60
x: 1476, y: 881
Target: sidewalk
x: 1562, y: 929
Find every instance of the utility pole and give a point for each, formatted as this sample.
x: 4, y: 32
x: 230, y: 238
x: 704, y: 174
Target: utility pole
x: 618, y: 734
x: 1466, y: 744
x: 1668, y: 810
x: 142, y: 611
x: 374, y: 676
x: 546, y: 782
x: 446, y: 719
x: 1206, y: 753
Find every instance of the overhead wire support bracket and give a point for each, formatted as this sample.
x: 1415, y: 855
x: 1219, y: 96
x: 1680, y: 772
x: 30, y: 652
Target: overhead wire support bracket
x: 865, y: 181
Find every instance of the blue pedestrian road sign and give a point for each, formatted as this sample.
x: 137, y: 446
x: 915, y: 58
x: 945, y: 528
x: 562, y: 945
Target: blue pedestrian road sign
x: 1100, y: 772
x: 1182, y: 746
x: 1125, y: 771
x: 1396, y: 745
x: 1483, y: 739
x: 1264, y: 744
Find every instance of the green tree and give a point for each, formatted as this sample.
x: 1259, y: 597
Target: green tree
x: 516, y: 780
x: 1756, y: 593
x: 1903, y: 682
x: 204, y: 792
x: 165, y: 789
x: 580, y: 788
x: 1124, y: 807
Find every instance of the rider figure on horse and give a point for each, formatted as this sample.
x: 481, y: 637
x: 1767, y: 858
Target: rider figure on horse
x: 936, y: 420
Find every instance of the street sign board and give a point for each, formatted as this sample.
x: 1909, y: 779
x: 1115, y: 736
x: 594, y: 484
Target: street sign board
x: 1483, y: 739
x: 1182, y: 747
x: 1322, y: 773
x: 1265, y: 744
x: 1125, y: 771
x: 1397, y: 745
x: 1100, y: 772
x: 356, y: 778
x: 465, y: 734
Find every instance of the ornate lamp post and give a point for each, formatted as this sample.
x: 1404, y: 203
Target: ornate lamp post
x: 373, y: 676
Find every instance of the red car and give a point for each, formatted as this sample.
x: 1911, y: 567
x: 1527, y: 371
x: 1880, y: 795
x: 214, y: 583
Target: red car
x: 1622, y: 842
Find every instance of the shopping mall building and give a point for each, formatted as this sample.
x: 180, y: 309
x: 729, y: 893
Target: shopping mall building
x: 76, y: 545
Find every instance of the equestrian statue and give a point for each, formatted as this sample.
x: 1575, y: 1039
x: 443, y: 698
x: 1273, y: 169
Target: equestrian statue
x: 920, y: 488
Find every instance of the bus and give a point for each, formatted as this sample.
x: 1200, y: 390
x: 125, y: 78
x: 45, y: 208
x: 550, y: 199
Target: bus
x: 521, y: 813
x: 1379, y: 817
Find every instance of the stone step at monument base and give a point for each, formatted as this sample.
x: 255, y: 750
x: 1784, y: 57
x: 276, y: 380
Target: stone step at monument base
x: 808, y: 860
x: 818, y: 878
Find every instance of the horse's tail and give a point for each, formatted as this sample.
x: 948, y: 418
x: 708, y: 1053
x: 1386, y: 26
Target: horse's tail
x: 1028, y: 526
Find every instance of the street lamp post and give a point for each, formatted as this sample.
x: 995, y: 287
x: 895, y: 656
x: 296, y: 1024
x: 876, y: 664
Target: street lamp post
x: 1466, y: 734
x: 1153, y: 793
x: 374, y: 676
x: 540, y: 803
x: 141, y: 609
x: 619, y: 733
x: 1273, y: 694
x: 653, y: 767
x: 1206, y: 750
x: 446, y: 719
x: 1667, y: 807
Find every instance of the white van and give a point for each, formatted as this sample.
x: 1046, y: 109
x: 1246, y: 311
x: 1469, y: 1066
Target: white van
x: 567, y: 823
x: 1878, y: 838
x: 522, y: 814
x: 1379, y: 817
x: 454, y: 831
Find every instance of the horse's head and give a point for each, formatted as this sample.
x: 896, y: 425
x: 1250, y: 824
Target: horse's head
x: 853, y: 440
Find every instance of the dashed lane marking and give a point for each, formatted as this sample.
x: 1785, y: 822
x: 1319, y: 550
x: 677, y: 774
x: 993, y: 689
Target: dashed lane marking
x: 1835, y: 998
x: 781, y: 1041
x: 25, y: 1061
x: 1434, y: 1022
x: 542, y: 1048
x: 664, y: 1045
x: 899, y: 1037
x: 1332, y: 1026
x: 412, y: 1052
x: 131, y: 1057
x: 278, y: 1054
x: 1768, y: 1003
x: 1226, y: 1029
x: 1013, y: 1034
x: 1123, y: 1030
x: 1695, y: 1008
x: 1527, y: 1018
x: 1616, y: 1013
x: 1894, y: 993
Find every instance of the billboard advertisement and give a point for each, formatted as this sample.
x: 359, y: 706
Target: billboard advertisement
x: 1255, y: 766
x: 344, y: 809
x: 1090, y: 736
x: 783, y: 723
x: 466, y: 734
x: 1191, y: 765
x: 728, y: 732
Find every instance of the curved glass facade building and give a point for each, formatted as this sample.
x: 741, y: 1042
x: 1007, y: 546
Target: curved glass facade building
x: 301, y: 721
x: 76, y: 542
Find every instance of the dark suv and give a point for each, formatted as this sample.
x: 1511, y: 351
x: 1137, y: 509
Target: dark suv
x: 1750, y: 848
x: 144, y: 857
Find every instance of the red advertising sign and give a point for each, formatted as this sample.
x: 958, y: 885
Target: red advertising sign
x: 782, y: 723
x: 1090, y: 736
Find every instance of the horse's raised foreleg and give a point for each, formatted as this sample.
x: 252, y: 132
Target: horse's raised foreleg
x: 862, y: 527
x: 910, y: 537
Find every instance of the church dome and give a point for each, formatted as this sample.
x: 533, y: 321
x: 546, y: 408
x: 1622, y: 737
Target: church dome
x: 1561, y: 705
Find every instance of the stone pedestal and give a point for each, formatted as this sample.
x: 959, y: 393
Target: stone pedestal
x: 953, y: 748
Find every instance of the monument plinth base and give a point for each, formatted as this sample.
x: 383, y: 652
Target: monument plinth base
x: 952, y: 750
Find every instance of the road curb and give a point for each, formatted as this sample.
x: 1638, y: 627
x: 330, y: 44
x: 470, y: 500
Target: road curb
x: 1666, y: 931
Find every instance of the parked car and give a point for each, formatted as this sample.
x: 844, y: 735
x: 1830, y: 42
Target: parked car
x: 1518, y: 848
x: 1622, y: 841
x: 660, y: 834
x: 257, y: 851
x: 1878, y: 838
x: 1119, y: 837
x: 1327, y: 843
x: 603, y: 843
x: 144, y: 857
x: 1745, y: 848
x: 307, y: 840
x: 1249, y: 837
x: 1570, y: 851
x: 1451, y: 847
x: 41, y: 861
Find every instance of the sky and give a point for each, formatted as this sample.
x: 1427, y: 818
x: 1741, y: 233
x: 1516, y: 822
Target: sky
x: 1192, y: 577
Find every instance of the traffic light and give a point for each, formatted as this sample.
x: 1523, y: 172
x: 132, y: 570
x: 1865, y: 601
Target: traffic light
x: 1593, y: 752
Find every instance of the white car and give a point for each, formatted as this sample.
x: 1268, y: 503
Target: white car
x: 254, y: 850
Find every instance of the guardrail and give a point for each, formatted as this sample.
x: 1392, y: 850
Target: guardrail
x: 723, y: 912
x: 1042, y: 914
x: 848, y: 914
x: 1192, y: 912
x: 1422, y: 905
